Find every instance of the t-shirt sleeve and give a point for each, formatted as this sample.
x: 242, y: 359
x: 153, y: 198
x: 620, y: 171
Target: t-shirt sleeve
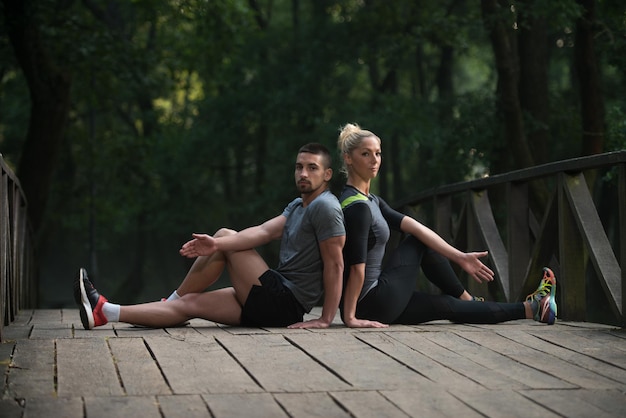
x: 392, y: 216
x: 358, y: 219
x: 327, y: 219
x: 295, y: 202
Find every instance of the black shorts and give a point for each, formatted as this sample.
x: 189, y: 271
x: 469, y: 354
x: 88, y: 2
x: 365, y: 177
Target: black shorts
x: 271, y: 304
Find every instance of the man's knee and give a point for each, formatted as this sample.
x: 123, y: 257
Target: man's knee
x: 222, y: 232
x: 190, y: 303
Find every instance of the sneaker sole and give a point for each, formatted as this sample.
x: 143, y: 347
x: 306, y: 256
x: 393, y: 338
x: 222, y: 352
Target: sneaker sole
x: 549, y: 315
x: 553, y: 308
x: 86, y: 314
x: 77, y: 281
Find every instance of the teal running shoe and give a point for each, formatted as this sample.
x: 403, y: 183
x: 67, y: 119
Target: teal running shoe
x: 543, y: 300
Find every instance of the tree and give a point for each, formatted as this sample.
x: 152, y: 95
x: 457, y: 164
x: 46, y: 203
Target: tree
x: 499, y: 27
x: 590, y: 86
x: 49, y: 83
x: 533, y: 86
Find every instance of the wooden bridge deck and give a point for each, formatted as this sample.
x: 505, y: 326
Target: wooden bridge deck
x: 54, y: 368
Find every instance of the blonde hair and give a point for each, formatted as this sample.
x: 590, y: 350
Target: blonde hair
x: 350, y: 137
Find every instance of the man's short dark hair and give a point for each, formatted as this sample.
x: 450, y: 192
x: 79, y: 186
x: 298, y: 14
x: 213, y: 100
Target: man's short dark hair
x: 318, y: 149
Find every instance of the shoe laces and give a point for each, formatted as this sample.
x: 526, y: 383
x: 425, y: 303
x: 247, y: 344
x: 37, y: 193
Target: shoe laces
x: 544, y: 289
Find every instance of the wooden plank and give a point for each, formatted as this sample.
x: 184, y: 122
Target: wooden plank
x: 429, y: 402
x: 305, y: 405
x: 279, y: 366
x: 199, y: 365
x: 16, y: 332
x: 409, y: 349
x: 611, y: 401
x: 593, y: 355
x: 54, y: 407
x: 48, y: 324
x: 121, y: 329
x: 23, y: 317
x: 574, y: 403
x: 122, y: 406
x: 104, y: 331
x: 205, y: 328
x: 547, y: 363
x: 508, y: 403
x: 494, y: 360
x: 71, y: 316
x: 614, y: 339
x: 188, y: 406
x: 49, y: 331
x: 244, y: 405
x: 6, y: 354
x: 44, y: 317
x: 85, y: 368
x: 10, y: 408
x: 32, y: 369
x: 235, y: 330
x: 368, y: 404
x: 139, y: 373
x: 375, y: 370
x: 442, y: 348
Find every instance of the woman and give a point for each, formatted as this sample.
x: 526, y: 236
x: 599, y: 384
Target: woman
x: 375, y: 296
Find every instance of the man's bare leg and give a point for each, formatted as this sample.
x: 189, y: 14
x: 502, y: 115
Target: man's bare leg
x: 245, y: 268
x: 218, y: 305
x: 203, y: 273
x: 205, y: 270
x: 222, y: 305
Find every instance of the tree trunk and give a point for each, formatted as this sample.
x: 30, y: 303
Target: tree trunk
x: 591, y: 98
x: 533, y: 87
x: 445, y: 86
x: 508, y: 97
x: 49, y: 87
x: 506, y: 58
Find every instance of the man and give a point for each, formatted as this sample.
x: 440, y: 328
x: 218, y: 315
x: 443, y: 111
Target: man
x: 310, y: 265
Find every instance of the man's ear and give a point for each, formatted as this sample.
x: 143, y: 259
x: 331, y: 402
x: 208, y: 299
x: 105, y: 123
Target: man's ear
x: 328, y: 174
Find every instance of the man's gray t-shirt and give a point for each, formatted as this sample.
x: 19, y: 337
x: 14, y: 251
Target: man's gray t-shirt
x: 300, y: 261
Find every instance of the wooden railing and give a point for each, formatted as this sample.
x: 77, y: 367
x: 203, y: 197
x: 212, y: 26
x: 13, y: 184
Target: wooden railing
x: 577, y: 230
x: 17, y: 276
x: 569, y: 215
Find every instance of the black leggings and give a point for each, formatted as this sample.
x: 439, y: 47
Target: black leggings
x: 395, y: 301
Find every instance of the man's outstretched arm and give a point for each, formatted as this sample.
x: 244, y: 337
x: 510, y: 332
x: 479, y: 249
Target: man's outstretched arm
x: 246, y: 239
x: 332, y: 257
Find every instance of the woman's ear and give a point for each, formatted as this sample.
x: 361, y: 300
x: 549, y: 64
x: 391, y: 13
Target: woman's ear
x: 346, y: 158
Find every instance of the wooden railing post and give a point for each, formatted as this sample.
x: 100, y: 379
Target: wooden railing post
x: 518, y: 237
x: 4, y: 247
x: 488, y: 235
x: 17, y: 288
x: 571, y: 282
x: 621, y: 193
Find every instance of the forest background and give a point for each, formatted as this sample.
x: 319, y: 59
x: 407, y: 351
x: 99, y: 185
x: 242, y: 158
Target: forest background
x: 133, y: 123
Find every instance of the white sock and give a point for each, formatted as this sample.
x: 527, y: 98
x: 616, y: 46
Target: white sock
x: 173, y: 296
x: 111, y: 311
